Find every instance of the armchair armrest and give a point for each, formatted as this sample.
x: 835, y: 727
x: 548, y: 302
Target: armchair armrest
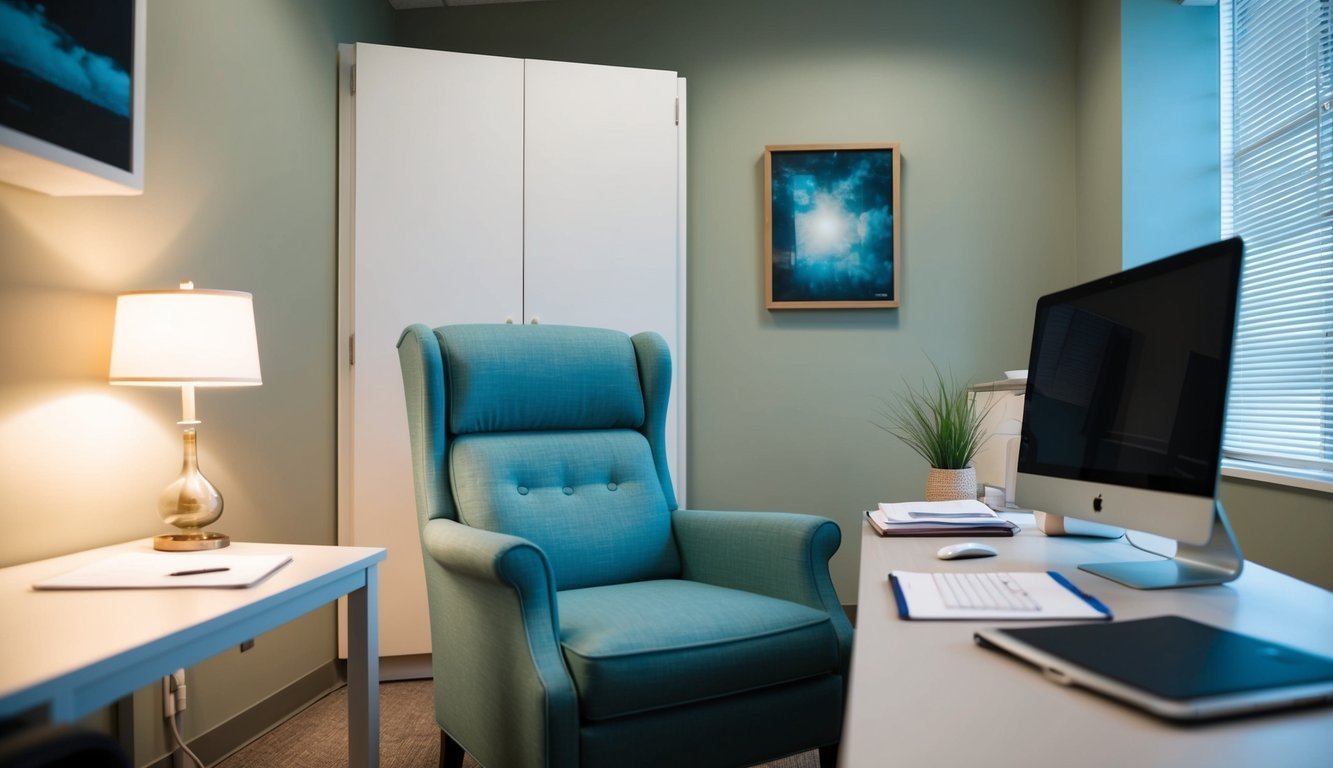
x: 495, y: 637
x: 778, y: 554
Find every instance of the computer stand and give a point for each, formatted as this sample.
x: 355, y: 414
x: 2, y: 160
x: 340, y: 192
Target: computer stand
x: 1216, y: 562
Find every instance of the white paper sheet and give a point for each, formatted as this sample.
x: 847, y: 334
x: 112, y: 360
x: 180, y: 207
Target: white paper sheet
x: 143, y: 570
x: 934, y: 513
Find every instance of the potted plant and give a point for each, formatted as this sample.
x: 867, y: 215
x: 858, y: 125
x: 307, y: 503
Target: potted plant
x: 943, y: 424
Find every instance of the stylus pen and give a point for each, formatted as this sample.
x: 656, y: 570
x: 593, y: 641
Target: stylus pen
x: 198, y: 571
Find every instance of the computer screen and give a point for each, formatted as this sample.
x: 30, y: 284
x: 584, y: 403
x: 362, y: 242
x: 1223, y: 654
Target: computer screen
x: 1126, y: 395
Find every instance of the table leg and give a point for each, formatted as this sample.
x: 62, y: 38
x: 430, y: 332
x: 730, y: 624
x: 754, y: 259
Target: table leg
x: 363, y: 674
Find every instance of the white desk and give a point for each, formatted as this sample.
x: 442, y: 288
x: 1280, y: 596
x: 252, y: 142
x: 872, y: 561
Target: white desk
x: 66, y: 654
x: 923, y: 694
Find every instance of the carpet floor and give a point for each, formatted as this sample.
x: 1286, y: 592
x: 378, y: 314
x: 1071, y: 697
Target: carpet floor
x: 409, y: 738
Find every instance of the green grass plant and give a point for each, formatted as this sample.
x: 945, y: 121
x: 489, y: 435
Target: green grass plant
x: 938, y: 420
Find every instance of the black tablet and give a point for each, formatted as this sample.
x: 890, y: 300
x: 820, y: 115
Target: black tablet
x: 1171, y: 666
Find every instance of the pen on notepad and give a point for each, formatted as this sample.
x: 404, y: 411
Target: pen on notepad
x: 198, y: 571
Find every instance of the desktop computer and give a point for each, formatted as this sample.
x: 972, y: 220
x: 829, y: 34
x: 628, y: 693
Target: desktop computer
x: 1124, y: 407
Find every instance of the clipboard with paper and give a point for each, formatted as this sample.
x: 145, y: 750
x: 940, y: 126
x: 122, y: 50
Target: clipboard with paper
x: 971, y: 595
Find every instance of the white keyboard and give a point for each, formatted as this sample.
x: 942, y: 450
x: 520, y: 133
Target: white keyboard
x: 983, y: 591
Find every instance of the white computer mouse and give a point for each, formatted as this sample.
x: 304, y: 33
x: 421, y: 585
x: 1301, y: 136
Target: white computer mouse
x: 966, y: 549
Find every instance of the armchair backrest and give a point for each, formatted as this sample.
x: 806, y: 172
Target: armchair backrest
x: 552, y: 433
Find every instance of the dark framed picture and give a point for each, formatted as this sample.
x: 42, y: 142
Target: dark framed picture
x: 831, y: 226
x: 72, y: 79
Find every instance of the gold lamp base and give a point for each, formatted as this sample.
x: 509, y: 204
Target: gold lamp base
x: 190, y: 542
x: 190, y: 503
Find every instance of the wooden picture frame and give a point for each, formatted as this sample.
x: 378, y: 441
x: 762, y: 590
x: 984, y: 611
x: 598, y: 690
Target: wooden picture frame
x: 832, y: 226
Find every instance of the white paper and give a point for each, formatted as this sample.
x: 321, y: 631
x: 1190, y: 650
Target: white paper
x: 143, y: 570
x: 968, y: 512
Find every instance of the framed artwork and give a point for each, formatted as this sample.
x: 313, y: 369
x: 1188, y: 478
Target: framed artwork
x: 72, y: 118
x: 831, y: 226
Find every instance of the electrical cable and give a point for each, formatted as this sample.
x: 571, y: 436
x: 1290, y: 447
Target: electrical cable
x: 1150, y: 550
x: 175, y: 732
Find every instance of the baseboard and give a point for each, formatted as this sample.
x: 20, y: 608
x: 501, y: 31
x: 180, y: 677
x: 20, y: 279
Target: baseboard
x: 221, y: 741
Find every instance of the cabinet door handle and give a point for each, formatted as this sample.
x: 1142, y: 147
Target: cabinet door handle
x: 535, y: 320
x: 509, y: 321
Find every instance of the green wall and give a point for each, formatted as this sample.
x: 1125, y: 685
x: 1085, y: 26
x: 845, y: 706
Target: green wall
x: 1286, y: 529
x: 240, y: 193
x: 980, y: 96
x: 1098, y: 141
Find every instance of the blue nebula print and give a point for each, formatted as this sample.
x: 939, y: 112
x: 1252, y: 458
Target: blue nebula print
x: 65, y: 74
x: 832, y: 236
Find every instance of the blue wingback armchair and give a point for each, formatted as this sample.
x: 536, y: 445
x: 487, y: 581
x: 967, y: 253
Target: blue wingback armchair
x: 578, y: 617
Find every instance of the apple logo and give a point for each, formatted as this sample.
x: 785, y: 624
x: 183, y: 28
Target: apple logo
x: 1097, y: 503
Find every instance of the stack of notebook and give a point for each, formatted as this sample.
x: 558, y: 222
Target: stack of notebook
x: 938, y: 518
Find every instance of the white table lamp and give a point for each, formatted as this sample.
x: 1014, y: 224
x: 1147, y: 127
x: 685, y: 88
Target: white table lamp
x: 186, y: 338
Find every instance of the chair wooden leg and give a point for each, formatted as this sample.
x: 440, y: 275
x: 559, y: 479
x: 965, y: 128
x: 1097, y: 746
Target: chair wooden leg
x: 828, y: 756
x: 451, y: 754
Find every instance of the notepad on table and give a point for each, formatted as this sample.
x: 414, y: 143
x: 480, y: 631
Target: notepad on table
x: 938, y: 518
x: 971, y: 595
x: 143, y: 570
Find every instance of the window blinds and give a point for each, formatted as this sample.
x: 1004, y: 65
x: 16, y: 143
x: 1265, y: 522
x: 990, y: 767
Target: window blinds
x: 1277, y: 194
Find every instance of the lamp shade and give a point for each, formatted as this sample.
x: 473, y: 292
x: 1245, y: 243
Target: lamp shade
x: 203, y: 338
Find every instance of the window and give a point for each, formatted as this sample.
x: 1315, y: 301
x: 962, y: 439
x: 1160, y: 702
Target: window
x: 1277, y: 194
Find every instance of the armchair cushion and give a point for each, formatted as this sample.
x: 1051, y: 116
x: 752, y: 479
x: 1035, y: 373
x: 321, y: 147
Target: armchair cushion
x: 590, y: 499
x: 646, y: 645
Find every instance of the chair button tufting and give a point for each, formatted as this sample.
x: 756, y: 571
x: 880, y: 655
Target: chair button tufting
x: 522, y: 490
x: 568, y: 491
x: 611, y: 486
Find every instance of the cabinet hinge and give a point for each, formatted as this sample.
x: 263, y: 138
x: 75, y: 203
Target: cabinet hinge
x: 354, y: 80
x: 351, y: 349
x: 677, y: 110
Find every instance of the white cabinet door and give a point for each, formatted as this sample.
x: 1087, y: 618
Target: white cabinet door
x: 462, y: 201
x: 600, y: 194
x: 437, y: 225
